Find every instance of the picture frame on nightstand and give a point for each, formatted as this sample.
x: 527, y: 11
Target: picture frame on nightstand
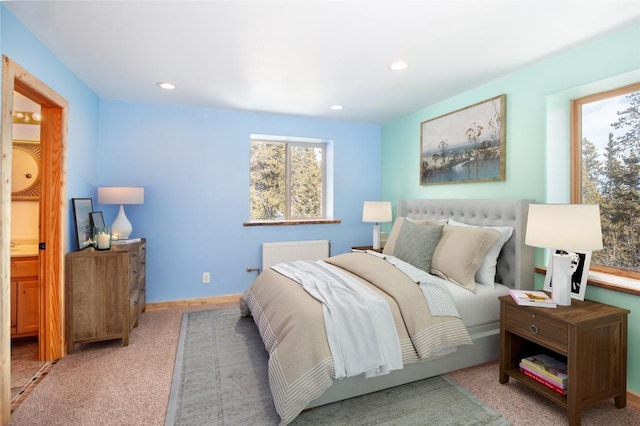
x: 578, y: 278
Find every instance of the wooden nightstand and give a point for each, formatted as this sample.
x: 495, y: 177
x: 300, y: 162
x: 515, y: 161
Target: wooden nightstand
x: 590, y: 336
x: 365, y: 248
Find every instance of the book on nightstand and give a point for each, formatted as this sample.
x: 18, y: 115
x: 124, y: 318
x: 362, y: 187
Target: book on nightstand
x: 551, y: 369
x: 532, y: 298
x: 541, y: 379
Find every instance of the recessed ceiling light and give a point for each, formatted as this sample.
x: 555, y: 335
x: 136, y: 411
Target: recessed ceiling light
x: 399, y: 66
x: 336, y: 107
x: 166, y: 85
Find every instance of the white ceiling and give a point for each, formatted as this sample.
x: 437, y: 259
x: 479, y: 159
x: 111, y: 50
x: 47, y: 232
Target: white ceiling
x: 300, y: 57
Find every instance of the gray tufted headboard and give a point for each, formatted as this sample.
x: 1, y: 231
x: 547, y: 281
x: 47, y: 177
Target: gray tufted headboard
x: 515, y: 263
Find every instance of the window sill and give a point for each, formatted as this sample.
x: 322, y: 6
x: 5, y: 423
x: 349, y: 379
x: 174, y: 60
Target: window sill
x: 608, y: 281
x: 291, y: 222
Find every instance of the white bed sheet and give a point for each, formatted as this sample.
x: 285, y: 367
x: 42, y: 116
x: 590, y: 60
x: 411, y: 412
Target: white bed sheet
x: 480, y: 308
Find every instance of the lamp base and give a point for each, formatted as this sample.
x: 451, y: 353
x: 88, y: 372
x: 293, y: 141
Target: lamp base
x: 121, y: 226
x: 561, y: 279
x: 376, y: 237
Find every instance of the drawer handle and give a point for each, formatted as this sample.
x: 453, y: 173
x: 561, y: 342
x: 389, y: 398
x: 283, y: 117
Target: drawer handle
x: 533, y: 329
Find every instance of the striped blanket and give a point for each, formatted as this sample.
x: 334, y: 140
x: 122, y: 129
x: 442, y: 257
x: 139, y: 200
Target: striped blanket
x: 291, y: 324
x: 358, y: 322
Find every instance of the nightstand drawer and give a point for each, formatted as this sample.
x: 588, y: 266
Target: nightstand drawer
x: 537, y: 328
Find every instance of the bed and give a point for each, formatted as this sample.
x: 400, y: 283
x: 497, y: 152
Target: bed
x: 291, y: 323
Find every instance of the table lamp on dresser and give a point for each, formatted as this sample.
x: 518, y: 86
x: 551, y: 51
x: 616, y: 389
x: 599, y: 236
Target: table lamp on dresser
x: 121, y: 227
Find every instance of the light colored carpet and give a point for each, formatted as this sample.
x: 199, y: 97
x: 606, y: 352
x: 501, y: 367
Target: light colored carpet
x: 110, y: 384
x: 106, y: 383
x: 525, y: 407
x: 220, y: 378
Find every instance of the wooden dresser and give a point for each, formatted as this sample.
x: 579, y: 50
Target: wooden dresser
x: 105, y: 293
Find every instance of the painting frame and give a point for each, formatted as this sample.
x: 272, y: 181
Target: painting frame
x: 466, y: 145
x: 97, y: 220
x: 82, y: 208
x: 578, y: 279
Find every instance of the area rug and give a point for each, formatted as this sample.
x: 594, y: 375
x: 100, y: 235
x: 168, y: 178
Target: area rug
x: 220, y: 378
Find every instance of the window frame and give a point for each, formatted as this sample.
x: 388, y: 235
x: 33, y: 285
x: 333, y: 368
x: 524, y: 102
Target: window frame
x: 290, y: 143
x: 576, y: 168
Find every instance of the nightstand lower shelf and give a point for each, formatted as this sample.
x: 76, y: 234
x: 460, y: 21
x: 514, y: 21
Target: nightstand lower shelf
x: 538, y: 387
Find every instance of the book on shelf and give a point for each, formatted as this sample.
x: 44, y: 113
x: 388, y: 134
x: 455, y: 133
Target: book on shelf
x: 551, y: 385
x: 532, y: 298
x: 549, y: 367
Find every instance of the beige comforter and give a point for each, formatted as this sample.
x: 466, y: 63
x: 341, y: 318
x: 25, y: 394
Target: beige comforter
x: 292, y: 327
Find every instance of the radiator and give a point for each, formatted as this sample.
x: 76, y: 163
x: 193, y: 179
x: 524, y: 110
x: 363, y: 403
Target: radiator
x: 273, y: 253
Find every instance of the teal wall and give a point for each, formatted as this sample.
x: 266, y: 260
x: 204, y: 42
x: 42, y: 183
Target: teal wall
x: 537, y: 157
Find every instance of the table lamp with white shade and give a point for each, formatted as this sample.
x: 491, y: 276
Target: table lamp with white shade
x: 567, y: 228
x: 376, y: 211
x: 121, y: 227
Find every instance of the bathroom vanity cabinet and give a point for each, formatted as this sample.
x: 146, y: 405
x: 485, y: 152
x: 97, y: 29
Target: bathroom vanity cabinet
x: 25, y: 296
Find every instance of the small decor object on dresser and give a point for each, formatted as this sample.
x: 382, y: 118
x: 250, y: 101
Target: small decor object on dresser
x: 127, y: 241
x: 532, y: 298
x: 102, y: 237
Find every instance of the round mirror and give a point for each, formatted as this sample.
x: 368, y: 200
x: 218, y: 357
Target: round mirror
x: 25, y: 176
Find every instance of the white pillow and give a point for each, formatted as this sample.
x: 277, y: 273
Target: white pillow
x: 487, y: 273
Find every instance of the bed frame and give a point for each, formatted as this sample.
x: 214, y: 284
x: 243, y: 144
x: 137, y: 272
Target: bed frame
x: 515, y: 269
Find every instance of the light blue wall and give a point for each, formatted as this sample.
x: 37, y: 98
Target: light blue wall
x: 22, y: 47
x: 193, y: 163
x: 537, y: 146
x: 194, y: 166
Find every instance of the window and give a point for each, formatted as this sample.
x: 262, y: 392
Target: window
x: 288, y: 179
x: 605, y: 159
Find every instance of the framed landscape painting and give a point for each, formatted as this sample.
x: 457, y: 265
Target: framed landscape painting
x: 467, y: 145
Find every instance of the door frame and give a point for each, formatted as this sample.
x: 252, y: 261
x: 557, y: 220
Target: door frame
x: 53, y: 141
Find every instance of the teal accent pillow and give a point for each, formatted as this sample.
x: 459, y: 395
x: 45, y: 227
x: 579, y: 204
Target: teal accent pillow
x: 416, y: 244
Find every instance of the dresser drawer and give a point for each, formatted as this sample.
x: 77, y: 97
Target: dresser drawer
x: 136, y: 306
x: 537, y: 328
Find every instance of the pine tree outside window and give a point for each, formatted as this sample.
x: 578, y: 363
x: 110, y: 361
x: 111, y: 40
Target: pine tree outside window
x: 287, y: 180
x: 605, y: 156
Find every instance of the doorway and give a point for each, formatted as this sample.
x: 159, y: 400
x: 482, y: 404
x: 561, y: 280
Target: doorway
x: 25, y: 225
x: 52, y: 223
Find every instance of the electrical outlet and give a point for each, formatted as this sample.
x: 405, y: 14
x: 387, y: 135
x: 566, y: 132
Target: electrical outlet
x: 206, y: 278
